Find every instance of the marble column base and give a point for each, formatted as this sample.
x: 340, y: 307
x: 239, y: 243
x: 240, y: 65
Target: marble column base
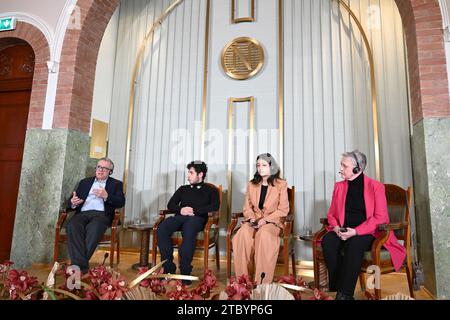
x: 53, y: 163
x: 431, y: 162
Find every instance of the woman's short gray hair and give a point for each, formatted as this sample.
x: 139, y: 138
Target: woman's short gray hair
x: 358, y: 158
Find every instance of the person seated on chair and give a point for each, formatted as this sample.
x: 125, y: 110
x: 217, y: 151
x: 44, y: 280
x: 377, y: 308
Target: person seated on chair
x: 358, y: 205
x: 95, y: 200
x: 265, y: 205
x: 191, y: 204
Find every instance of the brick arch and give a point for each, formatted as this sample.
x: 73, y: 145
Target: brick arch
x: 422, y: 22
x: 79, y: 54
x: 36, y: 39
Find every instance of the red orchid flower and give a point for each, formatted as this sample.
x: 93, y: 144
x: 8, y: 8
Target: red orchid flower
x: 209, y: 279
x: 319, y: 295
x: 19, y: 281
x: 157, y: 286
x: 114, y: 289
x: 239, y: 288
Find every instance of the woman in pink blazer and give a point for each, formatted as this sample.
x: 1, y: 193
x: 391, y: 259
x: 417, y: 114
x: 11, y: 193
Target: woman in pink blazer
x: 358, y: 206
x: 266, y: 204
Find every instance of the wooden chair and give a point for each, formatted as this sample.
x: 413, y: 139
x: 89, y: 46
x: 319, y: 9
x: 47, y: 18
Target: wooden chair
x: 287, y: 244
x: 399, y: 202
x: 206, y: 239
x: 110, y: 238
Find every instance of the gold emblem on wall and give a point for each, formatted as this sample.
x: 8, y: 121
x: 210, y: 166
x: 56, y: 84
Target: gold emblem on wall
x: 242, y: 58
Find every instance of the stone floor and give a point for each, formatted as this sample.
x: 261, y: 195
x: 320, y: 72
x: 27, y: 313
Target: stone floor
x: 391, y: 283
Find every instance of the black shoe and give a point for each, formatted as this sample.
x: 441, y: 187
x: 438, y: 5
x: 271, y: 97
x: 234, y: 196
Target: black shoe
x: 186, y: 282
x: 343, y: 296
x: 169, y: 267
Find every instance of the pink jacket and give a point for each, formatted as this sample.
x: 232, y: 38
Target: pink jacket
x: 376, y: 211
x: 276, y: 204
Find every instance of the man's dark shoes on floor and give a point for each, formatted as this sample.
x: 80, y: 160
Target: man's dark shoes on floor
x: 186, y: 282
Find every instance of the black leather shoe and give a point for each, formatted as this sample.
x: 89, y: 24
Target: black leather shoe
x: 187, y: 283
x: 343, y: 296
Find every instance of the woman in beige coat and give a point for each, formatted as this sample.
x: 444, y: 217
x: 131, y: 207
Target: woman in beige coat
x: 266, y: 204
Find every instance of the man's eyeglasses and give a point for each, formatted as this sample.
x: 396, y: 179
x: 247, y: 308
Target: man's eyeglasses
x: 100, y: 168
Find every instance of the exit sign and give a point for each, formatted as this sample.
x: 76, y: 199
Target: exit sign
x: 7, y: 24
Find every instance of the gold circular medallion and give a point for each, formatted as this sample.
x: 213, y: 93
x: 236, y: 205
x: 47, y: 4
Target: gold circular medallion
x: 242, y: 58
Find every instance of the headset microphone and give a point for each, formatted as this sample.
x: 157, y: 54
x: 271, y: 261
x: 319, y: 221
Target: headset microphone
x: 356, y: 169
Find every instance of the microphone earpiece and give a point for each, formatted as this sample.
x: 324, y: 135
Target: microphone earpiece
x: 263, y: 275
x: 105, y: 257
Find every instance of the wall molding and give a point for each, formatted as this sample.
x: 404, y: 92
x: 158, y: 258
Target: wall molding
x: 35, y: 21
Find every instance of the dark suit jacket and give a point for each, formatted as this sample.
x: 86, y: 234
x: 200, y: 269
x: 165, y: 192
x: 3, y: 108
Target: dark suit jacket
x: 116, y: 198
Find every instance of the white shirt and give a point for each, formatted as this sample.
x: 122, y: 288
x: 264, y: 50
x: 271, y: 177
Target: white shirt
x: 92, y: 201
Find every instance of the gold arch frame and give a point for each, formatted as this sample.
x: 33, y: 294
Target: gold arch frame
x: 235, y: 20
x: 231, y: 103
x: 280, y: 83
x: 373, y: 89
x: 137, y: 65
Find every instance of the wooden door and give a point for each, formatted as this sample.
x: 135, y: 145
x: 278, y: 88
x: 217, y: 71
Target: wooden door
x: 16, y: 75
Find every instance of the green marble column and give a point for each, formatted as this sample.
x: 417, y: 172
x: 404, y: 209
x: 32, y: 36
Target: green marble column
x: 53, y: 163
x: 431, y: 162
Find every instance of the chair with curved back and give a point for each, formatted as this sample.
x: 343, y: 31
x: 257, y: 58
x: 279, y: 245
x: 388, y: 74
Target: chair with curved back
x: 111, y: 237
x: 206, y: 239
x: 399, y: 202
x: 287, y: 244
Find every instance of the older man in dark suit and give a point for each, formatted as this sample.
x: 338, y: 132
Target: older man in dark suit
x: 95, y: 201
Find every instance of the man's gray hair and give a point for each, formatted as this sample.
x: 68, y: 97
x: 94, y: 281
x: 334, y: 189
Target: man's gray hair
x: 107, y: 160
x: 358, y: 158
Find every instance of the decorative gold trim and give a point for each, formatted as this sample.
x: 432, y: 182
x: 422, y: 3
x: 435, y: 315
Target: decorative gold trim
x: 231, y: 102
x: 281, y: 82
x: 237, y: 53
x: 373, y: 88
x: 205, y: 78
x: 235, y: 20
x: 136, y: 67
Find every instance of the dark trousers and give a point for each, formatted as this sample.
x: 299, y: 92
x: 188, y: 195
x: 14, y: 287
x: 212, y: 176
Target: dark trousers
x: 344, y: 259
x: 84, y: 232
x: 190, y: 226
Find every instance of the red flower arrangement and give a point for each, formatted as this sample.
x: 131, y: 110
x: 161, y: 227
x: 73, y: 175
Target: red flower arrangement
x: 15, y: 284
x: 103, y: 283
x: 240, y: 288
x: 175, y: 290
x: 100, y: 283
x: 157, y: 286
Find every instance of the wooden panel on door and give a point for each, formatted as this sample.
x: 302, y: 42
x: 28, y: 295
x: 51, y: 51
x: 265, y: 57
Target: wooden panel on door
x: 17, y: 64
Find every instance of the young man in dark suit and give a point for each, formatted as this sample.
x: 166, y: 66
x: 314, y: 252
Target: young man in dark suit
x: 95, y: 201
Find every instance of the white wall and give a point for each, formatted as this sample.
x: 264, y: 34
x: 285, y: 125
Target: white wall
x: 104, y: 74
x: 445, y: 11
x: 263, y: 87
x: 168, y: 98
x: 328, y: 99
